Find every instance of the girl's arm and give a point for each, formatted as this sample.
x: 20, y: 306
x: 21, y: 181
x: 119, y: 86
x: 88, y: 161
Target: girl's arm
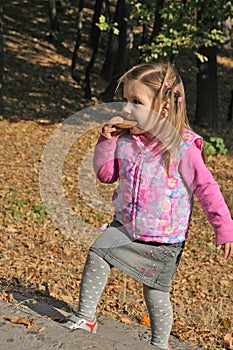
x: 105, y: 163
x: 201, y: 182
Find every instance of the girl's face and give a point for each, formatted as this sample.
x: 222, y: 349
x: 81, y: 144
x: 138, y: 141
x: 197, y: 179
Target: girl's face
x: 139, y: 106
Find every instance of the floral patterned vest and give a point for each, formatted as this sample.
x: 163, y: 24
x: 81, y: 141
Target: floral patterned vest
x: 151, y: 204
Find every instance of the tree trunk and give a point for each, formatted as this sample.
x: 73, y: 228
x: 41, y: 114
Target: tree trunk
x: 74, y: 71
x: 207, y: 81
x: 113, y: 44
x: 1, y: 59
x: 145, y: 34
x: 53, y: 16
x: 227, y: 28
x: 100, y: 8
x: 230, y: 108
x: 115, y: 41
x: 117, y: 59
x: 157, y: 20
x: 207, y: 89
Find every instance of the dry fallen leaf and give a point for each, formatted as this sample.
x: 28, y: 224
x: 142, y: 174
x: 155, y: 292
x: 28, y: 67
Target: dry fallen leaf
x: 229, y: 340
x: 10, y: 298
x: 13, y: 319
x: 21, y: 320
x: 125, y: 319
x: 42, y: 329
x: 145, y: 321
x: 6, y: 297
x: 226, y: 323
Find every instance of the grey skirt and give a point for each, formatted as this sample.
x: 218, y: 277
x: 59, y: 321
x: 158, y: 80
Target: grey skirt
x: 153, y: 264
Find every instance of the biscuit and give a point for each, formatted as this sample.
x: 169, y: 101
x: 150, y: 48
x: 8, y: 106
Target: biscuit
x: 126, y: 124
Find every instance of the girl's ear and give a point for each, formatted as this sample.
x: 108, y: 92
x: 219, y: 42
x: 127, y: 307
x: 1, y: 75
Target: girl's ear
x: 165, y: 109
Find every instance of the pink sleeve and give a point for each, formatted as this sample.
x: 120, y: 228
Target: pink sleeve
x: 105, y: 162
x: 202, y: 184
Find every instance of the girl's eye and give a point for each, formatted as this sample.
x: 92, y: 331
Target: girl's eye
x: 137, y: 102
x: 134, y: 101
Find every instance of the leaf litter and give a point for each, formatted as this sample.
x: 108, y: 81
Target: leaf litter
x: 40, y: 258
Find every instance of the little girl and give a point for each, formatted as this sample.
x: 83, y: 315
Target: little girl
x: 159, y: 166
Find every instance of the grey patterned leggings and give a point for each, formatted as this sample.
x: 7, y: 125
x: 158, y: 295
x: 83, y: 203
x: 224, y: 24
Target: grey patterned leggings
x: 94, y: 280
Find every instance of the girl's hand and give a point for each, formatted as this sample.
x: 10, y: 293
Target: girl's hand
x: 109, y: 130
x: 228, y: 250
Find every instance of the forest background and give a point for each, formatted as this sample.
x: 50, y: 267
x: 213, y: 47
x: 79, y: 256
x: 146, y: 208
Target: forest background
x: 56, y: 61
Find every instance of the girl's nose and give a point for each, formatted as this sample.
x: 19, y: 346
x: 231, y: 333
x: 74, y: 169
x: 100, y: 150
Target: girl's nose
x: 126, y: 110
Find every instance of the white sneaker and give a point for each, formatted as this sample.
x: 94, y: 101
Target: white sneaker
x: 74, y: 322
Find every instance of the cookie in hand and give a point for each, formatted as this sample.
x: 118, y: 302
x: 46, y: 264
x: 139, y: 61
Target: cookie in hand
x: 125, y: 124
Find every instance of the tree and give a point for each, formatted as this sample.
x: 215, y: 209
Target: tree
x: 155, y: 30
x: 117, y: 57
x: 157, y: 19
x: 207, y: 88
x: 101, y: 9
x: 209, y: 19
x: 74, y: 71
x: 101, y: 6
x: 195, y: 25
x: 230, y: 108
x: 1, y: 58
x: 53, y: 17
x: 227, y: 30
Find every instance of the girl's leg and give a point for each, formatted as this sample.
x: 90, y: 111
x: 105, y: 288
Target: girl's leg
x: 94, y: 279
x: 161, y: 315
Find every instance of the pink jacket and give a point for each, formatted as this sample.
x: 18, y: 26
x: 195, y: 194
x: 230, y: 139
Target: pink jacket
x: 152, y: 205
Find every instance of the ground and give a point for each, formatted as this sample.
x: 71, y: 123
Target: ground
x: 35, y: 254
